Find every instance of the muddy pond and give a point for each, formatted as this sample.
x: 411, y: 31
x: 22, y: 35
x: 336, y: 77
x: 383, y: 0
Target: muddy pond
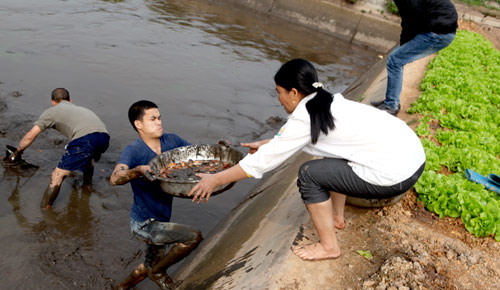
x: 210, y: 70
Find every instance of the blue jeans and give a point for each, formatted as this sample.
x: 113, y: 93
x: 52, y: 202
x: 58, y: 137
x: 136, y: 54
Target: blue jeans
x: 422, y: 45
x: 79, y: 153
x: 163, y: 233
x: 158, y: 235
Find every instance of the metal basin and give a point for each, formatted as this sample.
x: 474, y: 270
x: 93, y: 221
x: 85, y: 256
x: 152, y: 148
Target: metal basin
x: 362, y: 202
x: 181, y: 188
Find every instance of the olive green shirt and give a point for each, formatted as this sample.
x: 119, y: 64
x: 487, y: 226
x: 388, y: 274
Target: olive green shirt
x: 71, y: 120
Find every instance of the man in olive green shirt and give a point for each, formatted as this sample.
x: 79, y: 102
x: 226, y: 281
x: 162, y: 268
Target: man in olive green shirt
x: 87, y: 134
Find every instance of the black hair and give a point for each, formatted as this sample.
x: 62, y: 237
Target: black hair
x: 60, y: 94
x: 301, y: 75
x: 136, y: 111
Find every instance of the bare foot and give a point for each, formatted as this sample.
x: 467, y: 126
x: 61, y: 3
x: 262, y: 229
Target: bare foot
x: 315, y: 252
x: 338, y: 222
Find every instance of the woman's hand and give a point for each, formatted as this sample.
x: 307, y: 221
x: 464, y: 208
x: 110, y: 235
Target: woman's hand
x: 254, y: 146
x: 205, y: 187
x: 209, y: 182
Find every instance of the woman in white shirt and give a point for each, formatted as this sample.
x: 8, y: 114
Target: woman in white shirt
x: 366, y: 152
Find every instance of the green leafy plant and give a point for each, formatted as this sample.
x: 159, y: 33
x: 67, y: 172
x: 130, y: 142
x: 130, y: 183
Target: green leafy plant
x: 461, y: 93
x: 366, y: 254
x: 424, y: 128
x: 391, y: 7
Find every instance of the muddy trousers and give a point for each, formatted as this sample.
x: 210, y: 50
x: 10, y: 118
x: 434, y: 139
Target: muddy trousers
x: 158, y: 236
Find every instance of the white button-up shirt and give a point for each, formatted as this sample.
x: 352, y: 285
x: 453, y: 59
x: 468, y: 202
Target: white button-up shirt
x: 380, y: 148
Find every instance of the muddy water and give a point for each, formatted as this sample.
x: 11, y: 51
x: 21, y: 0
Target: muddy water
x: 210, y: 70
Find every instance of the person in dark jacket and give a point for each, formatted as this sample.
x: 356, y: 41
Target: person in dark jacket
x: 427, y: 27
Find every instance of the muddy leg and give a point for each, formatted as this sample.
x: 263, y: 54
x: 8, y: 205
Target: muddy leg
x: 158, y: 273
x: 88, y: 173
x: 51, y: 193
x: 153, y: 255
x: 140, y: 273
x: 49, y: 196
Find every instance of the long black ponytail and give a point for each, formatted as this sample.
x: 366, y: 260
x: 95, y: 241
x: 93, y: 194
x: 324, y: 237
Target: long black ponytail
x: 301, y: 75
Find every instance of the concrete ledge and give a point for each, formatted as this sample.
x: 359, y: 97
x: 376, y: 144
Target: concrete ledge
x: 334, y: 17
x: 370, y: 85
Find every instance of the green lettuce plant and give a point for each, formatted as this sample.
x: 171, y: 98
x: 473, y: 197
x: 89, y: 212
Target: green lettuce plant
x: 461, y: 93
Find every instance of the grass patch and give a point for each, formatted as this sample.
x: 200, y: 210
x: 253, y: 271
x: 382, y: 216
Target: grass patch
x: 490, y: 4
x: 460, y: 129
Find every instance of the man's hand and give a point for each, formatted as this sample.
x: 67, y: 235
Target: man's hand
x: 17, y: 155
x: 143, y: 169
x: 13, y: 154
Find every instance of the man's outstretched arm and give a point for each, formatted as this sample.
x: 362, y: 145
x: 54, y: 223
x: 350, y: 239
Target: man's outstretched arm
x: 122, y: 174
x: 28, y: 139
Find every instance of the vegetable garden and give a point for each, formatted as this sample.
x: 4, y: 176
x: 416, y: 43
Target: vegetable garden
x: 460, y: 129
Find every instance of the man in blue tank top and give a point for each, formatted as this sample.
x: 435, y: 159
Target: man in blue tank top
x: 152, y: 207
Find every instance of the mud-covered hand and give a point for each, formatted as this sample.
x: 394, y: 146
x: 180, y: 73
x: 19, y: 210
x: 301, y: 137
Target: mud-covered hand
x: 143, y: 169
x: 17, y: 155
x: 204, y: 188
x: 12, y: 154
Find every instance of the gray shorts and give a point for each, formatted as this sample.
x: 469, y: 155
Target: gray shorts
x: 317, y: 177
x: 152, y: 231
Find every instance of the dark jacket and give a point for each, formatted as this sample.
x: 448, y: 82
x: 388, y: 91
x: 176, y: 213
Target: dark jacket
x: 420, y: 16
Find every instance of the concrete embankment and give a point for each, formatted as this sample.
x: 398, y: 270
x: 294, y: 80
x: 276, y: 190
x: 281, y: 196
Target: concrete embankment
x: 336, y: 17
x: 250, y: 249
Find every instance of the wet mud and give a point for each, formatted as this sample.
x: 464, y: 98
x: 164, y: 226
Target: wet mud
x: 209, y: 68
